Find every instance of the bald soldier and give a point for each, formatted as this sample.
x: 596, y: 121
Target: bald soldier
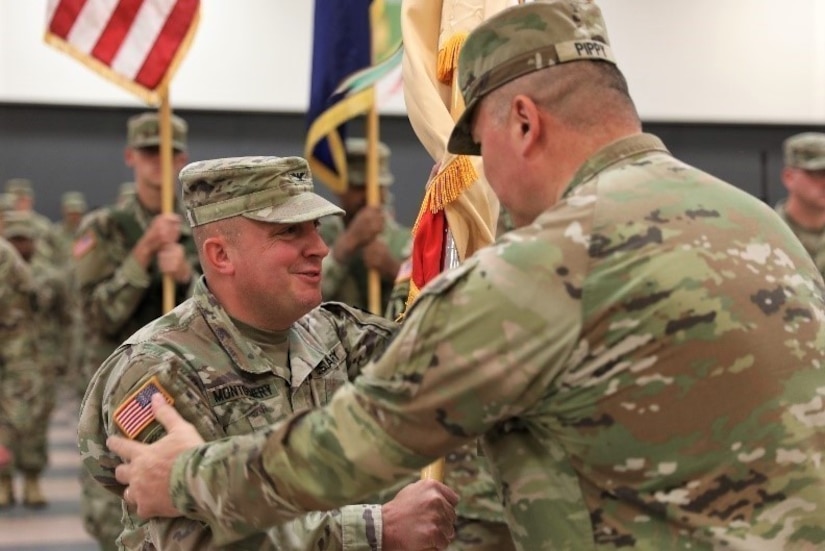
x: 804, y: 178
x: 642, y: 356
x: 248, y: 349
x: 366, y: 237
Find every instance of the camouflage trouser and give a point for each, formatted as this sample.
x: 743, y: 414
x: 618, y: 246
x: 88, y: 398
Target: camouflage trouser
x: 481, y: 535
x: 26, y: 403
x: 101, y: 512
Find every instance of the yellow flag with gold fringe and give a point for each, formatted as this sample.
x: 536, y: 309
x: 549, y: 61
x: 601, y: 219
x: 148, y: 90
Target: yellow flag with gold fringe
x: 457, y: 196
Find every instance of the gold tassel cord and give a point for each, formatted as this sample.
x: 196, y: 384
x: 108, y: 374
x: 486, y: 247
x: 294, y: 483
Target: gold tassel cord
x: 447, y: 186
x: 448, y: 57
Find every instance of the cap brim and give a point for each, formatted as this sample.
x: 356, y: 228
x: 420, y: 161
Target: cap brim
x: 461, y: 139
x: 177, y: 145
x: 817, y: 164
x: 298, y: 208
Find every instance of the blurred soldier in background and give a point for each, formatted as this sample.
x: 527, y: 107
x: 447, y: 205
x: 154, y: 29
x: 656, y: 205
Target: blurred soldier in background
x: 121, y: 254
x: 18, y: 355
x: 22, y: 193
x: 72, y: 206
x: 804, y: 178
x: 31, y: 393
x: 366, y: 238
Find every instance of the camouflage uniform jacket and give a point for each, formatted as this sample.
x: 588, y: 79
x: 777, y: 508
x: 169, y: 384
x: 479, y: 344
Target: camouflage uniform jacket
x: 347, y: 283
x: 64, y: 237
x: 17, y: 340
x: 225, y: 385
x: 53, y: 313
x: 812, y: 240
x: 644, y: 360
x: 465, y: 470
x: 118, y: 295
x: 48, y: 240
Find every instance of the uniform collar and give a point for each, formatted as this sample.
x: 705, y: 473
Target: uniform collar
x: 305, y: 354
x: 613, y: 153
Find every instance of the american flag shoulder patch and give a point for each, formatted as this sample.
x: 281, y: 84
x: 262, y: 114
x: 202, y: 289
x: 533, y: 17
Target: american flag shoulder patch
x: 84, y: 244
x: 135, y: 413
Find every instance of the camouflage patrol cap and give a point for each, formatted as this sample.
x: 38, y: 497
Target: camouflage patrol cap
x: 19, y: 223
x: 357, y: 162
x: 269, y: 189
x: 19, y: 186
x: 144, y: 131
x: 6, y: 201
x: 73, y: 201
x: 519, y: 41
x: 805, y: 151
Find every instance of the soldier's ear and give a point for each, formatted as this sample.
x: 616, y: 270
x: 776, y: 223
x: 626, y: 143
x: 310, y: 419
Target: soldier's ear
x: 129, y: 157
x: 526, y: 122
x: 216, y: 255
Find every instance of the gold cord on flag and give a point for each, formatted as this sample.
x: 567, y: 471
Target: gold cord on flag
x: 448, y: 57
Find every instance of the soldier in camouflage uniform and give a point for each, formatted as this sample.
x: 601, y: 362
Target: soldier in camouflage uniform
x: 125, y: 191
x: 249, y: 348
x: 22, y: 197
x: 643, y: 355
x: 73, y: 205
x: 804, y: 178
x: 30, y: 393
x: 365, y: 238
x: 18, y: 357
x: 121, y: 254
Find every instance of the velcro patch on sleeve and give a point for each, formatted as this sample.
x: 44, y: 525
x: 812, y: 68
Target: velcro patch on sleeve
x: 84, y: 244
x: 135, y: 413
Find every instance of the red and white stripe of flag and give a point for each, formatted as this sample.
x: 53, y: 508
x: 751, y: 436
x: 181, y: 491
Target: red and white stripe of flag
x: 136, y: 43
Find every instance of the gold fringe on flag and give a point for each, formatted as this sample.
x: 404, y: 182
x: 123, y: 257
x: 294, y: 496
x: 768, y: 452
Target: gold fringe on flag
x: 447, y: 185
x: 444, y: 188
x: 448, y: 58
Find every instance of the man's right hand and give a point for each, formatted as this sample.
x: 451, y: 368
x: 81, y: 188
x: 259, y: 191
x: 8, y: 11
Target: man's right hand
x: 147, y: 468
x: 421, y: 517
x: 366, y: 225
x: 164, y: 229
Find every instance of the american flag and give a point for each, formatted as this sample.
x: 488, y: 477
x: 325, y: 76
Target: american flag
x: 133, y: 415
x: 135, y: 43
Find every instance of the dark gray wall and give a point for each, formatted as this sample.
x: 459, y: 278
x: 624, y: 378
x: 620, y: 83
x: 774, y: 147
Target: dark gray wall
x: 80, y: 148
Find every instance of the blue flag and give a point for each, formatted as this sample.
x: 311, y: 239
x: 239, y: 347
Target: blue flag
x: 341, y: 46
